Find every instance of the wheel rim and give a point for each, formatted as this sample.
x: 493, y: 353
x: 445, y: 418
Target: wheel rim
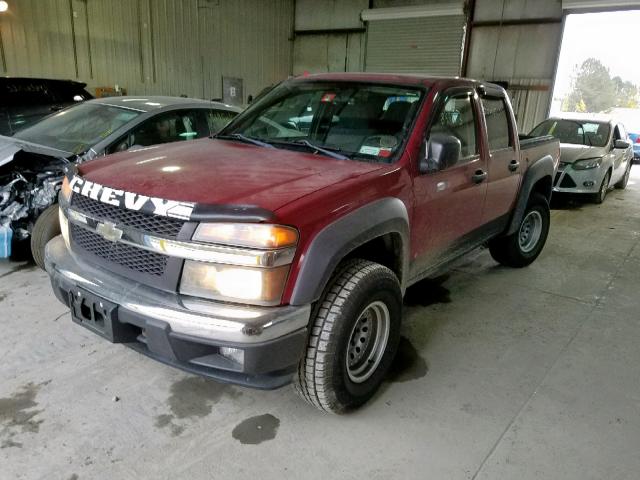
x: 368, y: 341
x: 530, y: 231
x: 604, y: 186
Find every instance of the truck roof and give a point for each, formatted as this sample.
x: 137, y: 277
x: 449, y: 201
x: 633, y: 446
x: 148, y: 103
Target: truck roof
x: 395, y: 78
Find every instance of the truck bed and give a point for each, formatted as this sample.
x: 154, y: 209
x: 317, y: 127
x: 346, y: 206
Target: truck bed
x: 534, y: 148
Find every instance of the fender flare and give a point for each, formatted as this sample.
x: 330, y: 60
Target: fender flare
x: 336, y: 240
x: 544, y: 167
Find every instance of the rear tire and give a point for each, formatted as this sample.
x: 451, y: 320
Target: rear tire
x: 603, y: 190
x: 622, y: 184
x: 47, y: 227
x: 523, y: 247
x: 354, y: 338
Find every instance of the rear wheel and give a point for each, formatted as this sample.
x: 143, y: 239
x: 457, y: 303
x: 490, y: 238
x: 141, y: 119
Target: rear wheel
x: 523, y: 247
x: 622, y: 184
x: 47, y: 227
x: 354, y: 338
x: 603, y: 190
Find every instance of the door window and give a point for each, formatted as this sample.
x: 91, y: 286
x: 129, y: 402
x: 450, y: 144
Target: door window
x: 497, y: 121
x: 178, y: 125
x: 217, y: 119
x: 457, y: 118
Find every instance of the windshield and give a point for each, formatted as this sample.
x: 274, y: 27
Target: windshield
x: 362, y: 121
x: 78, y: 128
x: 593, y: 134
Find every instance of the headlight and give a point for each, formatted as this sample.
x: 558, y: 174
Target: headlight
x: 587, y: 164
x: 263, y: 286
x: 65, y: 190
x: 256, y: 235
x: 64, y: 227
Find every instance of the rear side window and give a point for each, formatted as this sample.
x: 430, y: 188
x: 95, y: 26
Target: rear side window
x: 217, y: 119
x: 457, y: 119
x: 25, y: 92
x: 495, y: 114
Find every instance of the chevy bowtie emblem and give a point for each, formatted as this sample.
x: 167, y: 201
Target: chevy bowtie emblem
x: 109, y: 231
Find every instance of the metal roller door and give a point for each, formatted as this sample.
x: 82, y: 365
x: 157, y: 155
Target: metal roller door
x: 424, y: 44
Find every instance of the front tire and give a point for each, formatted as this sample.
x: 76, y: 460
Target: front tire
x: 603, y: 190
x: 354, y: 338
x: 622, y: 184
x: 523, y: 247
x: 47, y: 227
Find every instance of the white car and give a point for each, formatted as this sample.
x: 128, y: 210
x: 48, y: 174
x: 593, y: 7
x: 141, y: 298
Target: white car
x: 595, y: 154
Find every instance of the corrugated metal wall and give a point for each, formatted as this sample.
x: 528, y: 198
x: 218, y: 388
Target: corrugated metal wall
x: 430, y: 45
x: 167, y: 47
x: 518, y: 42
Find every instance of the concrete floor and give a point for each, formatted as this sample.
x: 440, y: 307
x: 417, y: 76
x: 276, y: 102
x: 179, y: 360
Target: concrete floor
x: 502, y: 374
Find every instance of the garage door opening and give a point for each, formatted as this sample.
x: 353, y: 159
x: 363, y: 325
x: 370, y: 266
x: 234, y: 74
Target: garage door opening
x: 597, y: 72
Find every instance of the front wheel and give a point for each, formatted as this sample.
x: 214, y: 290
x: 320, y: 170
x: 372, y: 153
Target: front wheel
x: 523, y: 247
x: 354, y: 338
x: 603, y: 190
x: 622, y: 184
x: 47, y: 226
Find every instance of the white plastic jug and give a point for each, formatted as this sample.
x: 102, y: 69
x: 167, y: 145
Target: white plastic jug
x: 5, y: 241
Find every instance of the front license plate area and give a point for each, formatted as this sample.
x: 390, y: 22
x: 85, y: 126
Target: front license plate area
x: 99, y: 316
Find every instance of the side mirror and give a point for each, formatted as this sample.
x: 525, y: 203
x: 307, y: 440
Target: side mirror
x: 78, y: 98
x: 622, y: 144
x: 441, y: 151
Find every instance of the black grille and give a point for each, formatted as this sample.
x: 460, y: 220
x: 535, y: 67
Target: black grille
x: 167, y: 227
x: 133, y: 258
x: 567, y: 182
x: 558, y: 175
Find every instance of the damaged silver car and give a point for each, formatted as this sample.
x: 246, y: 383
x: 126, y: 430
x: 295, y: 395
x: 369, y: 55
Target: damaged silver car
x: 32, y: 163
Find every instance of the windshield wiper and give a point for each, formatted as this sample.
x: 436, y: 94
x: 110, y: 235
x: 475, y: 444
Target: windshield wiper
x: 328, y: 151
x: 245, y: 139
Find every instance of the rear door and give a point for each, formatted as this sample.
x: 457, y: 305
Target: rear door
x: 448, y: 203
x: 503, y: 162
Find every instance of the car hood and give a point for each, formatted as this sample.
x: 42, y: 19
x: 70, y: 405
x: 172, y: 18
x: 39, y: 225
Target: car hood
x: 570, y: 152
x: 9, y: 146
x: 222, y: 172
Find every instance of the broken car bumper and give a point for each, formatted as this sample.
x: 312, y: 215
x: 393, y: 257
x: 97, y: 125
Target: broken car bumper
x: 252, y: 346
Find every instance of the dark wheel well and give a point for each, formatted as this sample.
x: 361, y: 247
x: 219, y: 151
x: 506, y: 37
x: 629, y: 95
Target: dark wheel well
x: 544, y: 187
x: 386, y: 250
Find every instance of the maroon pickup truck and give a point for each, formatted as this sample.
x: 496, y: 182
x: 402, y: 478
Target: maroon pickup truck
x: 280, y: 249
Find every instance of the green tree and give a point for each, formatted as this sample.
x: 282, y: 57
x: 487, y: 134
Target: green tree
x: 592, y: 88
x: 626, y: 93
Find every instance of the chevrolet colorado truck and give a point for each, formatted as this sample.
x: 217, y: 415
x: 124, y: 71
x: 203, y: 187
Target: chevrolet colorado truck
x: 279, y: 250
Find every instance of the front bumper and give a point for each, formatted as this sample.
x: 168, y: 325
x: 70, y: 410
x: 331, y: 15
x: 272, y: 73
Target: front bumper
x: 182, y: 331
x: 569, y: 180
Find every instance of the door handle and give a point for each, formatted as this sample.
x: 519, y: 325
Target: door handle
x: 56, y: 108
x: 513, y: 165
x: 479, y: 177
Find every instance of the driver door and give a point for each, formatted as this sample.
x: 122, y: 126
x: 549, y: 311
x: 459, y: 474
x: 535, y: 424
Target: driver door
x: 449, y: 201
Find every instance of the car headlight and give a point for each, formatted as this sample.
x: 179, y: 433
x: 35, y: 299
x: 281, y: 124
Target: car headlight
x: 257, y: 235
x: 65, y: 190
x: 250, y: 264
x: 262, y: 286
x: 587, y: 163
x: 64, y: 227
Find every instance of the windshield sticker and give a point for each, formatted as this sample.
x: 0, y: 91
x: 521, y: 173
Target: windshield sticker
x: 131, y: 201
x: 367, y: 150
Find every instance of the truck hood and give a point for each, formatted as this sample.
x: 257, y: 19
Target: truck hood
x: 9, y: 146
x: 570, y: 152
x: 222, y: 172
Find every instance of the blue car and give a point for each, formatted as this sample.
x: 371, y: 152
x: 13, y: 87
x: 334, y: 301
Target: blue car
x: 635, y: 138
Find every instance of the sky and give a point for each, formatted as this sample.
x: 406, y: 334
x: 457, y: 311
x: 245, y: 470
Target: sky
x: 611, y: 37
